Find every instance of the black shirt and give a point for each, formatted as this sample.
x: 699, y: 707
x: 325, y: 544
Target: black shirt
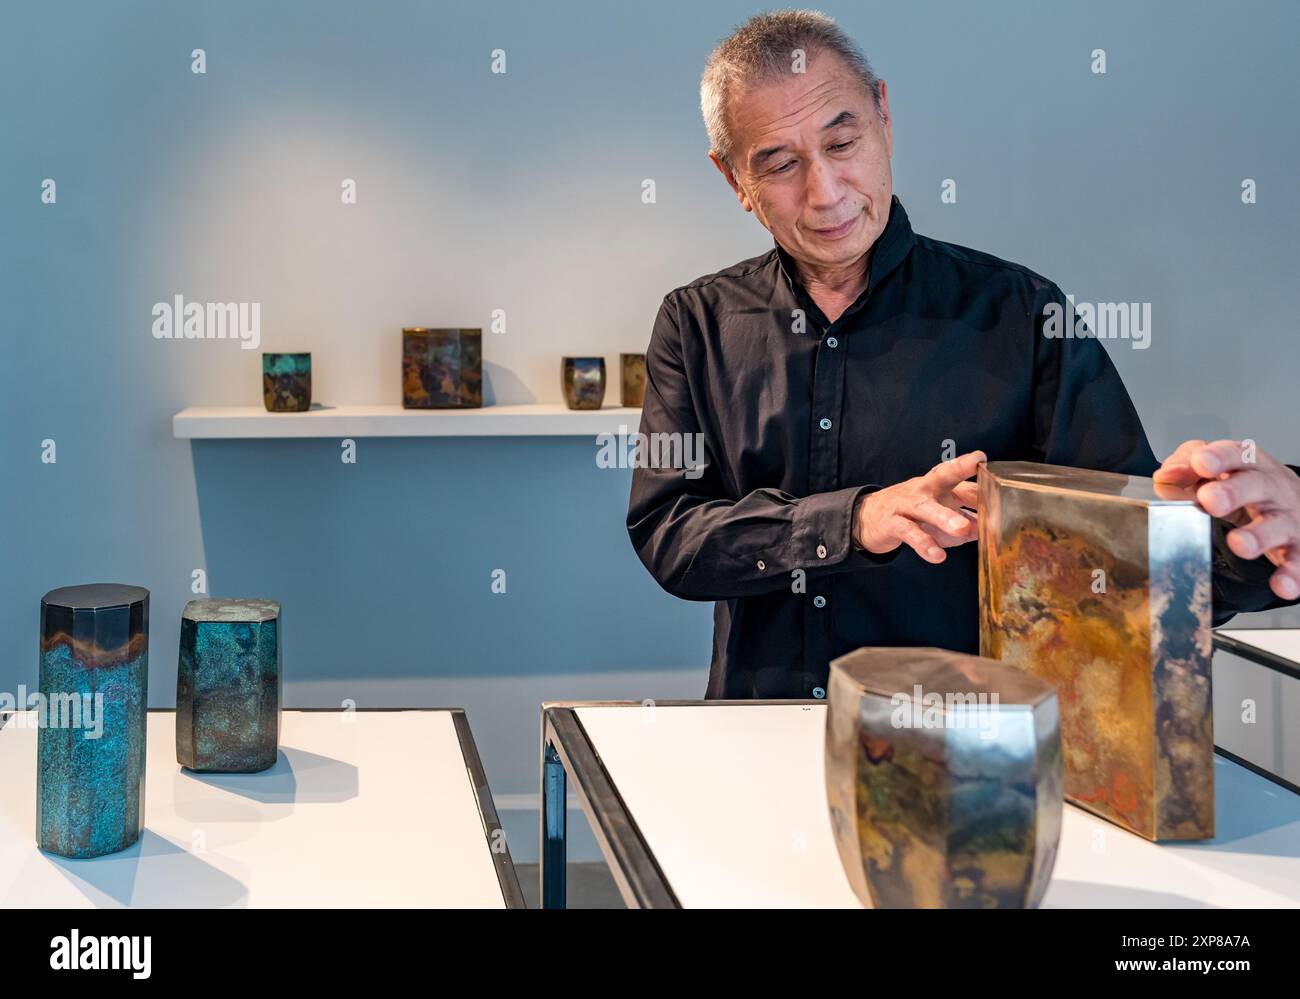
x: 942, y: 354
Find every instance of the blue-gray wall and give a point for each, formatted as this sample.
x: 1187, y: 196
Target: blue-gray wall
x: 522, y: 192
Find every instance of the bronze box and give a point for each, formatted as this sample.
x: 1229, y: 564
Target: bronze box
x: 1100, y: 584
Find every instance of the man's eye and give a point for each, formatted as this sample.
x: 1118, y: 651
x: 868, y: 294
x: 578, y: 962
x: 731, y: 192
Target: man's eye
x: 784, y: 167
x: 843, y: 145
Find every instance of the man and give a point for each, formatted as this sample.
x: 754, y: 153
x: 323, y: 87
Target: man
x: 830, y: 377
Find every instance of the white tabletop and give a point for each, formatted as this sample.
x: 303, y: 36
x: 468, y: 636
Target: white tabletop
x: 1284, y: 642
x: 363, y: 808
x: 731, y: 800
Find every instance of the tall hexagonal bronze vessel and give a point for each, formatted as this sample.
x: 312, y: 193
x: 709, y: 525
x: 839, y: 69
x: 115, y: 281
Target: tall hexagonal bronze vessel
x: 90, y: 747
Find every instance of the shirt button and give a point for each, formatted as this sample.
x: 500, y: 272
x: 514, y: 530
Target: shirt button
x: 831, y: 342
x: 819, y: 601
x: 821, y: 551
x: 761, y: 565
x: 819, y: 692
x: 825, y: 424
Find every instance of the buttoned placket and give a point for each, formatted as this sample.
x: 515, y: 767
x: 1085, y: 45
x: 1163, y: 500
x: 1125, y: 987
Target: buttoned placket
x: 829, y: 373
x: 827, y: 416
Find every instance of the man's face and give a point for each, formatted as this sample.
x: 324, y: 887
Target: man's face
x: 811, y: 161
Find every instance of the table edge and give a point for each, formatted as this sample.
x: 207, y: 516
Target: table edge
x: 1254, y: 654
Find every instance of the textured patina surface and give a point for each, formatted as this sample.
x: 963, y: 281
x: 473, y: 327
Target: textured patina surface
x: 943, y: 778
x: 582, y: 379
x: 286, y: 382
x: 1100, y: 584
x: 94, y: 680
x: 633, y: 366
x: 442, y: 368
x: 228, y: 686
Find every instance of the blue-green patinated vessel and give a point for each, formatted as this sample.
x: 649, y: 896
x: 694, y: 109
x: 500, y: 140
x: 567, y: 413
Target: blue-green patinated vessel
x: 228, y: 685
x: 286, y: 382
x: 90, y: 746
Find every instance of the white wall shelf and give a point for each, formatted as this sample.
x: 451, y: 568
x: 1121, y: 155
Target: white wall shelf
x: 529, y: 420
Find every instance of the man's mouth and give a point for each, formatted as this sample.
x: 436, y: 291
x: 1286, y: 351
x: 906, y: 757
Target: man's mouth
x: 836, y: 232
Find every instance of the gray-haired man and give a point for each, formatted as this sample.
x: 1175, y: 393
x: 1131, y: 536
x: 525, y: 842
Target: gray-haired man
x: 829, y: 375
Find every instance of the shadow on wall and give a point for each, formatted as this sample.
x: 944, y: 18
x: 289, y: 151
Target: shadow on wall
x: 501, y: 385
x: 386, y: 567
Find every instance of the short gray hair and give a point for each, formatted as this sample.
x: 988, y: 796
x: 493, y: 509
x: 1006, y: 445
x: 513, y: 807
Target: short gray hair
x: 762, y: 49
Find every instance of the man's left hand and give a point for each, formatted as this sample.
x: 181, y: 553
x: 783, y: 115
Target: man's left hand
x: 1250, y: 489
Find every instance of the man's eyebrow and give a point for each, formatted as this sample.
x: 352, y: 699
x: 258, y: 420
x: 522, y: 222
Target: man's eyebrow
x: 843, y: 118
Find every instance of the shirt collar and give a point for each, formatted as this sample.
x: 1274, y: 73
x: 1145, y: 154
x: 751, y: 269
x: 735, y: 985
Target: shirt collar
x: 887, y: 252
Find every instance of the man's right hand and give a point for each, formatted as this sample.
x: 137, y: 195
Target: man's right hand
x: 925, y: 512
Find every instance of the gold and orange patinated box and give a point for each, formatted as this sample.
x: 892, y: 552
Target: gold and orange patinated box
x: 1099, y: 583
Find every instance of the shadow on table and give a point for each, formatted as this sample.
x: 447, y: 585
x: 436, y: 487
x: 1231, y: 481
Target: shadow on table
x: 1062, y: 894
x: 297, y: 777
x: 1252, y: 814
x: 147, y: 874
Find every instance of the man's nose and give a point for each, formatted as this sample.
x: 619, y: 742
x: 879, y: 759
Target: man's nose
x: 822, y: 189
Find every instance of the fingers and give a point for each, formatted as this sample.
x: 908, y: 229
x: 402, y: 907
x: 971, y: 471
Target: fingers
x: 1264, y: 533
x: 968, y: 494
x: 932, y: 521
x: 1173, y: 473
x: 1177, y: 468
x: 949, y: 540
x: 1212, y: 460
x: 1224, y: 497
x: 910, y: 533
x: 934, y: 514
x: 947, y: 474
x: 1286, y: 581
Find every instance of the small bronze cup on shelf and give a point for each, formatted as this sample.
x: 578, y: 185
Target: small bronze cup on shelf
x: 583, y: 381
x: 286, y: 382
x: 633, y: 366
x: 442, y: 368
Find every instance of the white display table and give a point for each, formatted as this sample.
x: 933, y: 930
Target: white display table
x: 723, y: 804
x: 363, y: 808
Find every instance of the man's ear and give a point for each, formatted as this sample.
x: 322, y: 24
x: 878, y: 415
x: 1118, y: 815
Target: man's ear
x: 731, y: 180
x: 886, y: 118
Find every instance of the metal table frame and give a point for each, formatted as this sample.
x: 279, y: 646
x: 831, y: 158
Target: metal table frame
x: 1279, y: 664
x: 567, y: 752
x: 1260, y: 657
x: 507, y: 877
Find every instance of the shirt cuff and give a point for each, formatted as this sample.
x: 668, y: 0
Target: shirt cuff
x: 823, y: 531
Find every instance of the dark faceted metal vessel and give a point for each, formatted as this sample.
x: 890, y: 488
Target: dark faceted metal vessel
x: 90, y: 747
x: 286, y: 382
x: 1099, y: 583
x: 583, y: 382
x: 944, y: 779
x: 228, y: 686
x: 442, y: 368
